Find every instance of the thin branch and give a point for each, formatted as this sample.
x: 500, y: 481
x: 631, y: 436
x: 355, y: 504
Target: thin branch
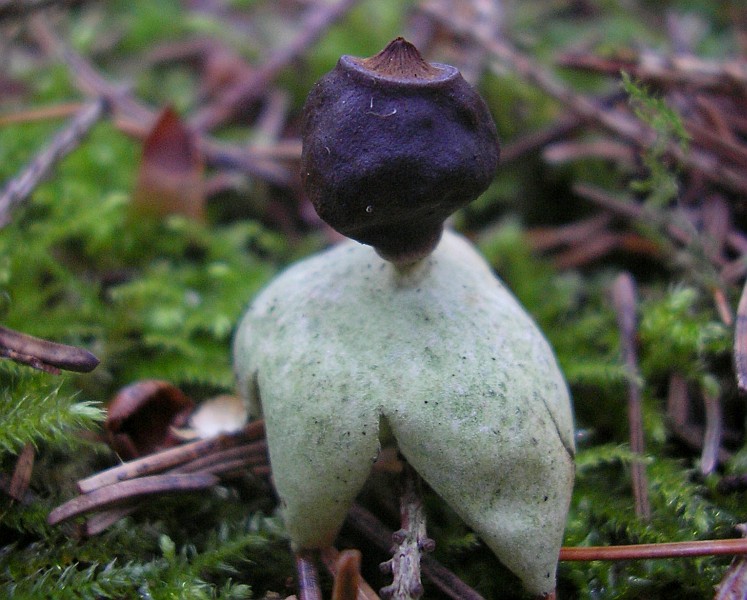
x: 677, y: 70
x: 381, y: 536
x: 624, y: 300
x: 125, y: 490
x: 253, y: 88
x: 170, y: 458
x: 44, y: 355
x: 651, y: 551
x: 621, y: 123
x: 67, y: 140
x: 409, y: 541
x: 308, y: 577
x: 135, y: 118
x: 42, y: 113
x: 740, y: 342
x: 709, y: 457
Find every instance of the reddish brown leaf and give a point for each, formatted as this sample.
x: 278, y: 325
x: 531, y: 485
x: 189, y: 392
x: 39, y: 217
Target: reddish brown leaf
x: 171, y: 175
x: 142, y: 416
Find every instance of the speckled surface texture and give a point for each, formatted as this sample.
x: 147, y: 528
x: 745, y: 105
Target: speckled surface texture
x: 444, y: 353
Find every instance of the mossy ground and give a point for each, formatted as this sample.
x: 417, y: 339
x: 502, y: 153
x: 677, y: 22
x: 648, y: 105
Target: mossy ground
x: 159, y: 298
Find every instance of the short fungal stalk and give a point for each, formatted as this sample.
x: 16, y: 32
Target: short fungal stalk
x: 416, y: 334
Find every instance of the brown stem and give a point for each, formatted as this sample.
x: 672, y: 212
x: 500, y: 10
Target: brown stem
x: 378, y: 534
x: 252, y: 88
x: 139, y: 117
x: 308, y: 577
x: 410, y: 540
x: 42, y: 354
x: 740, y: 342
x: 125, y: 490
x: 624, y: 300
x: 170, y: 458
x: 651, y: 551
x: 619, y: 122
x: 709, y: 457
x: 20, y: 187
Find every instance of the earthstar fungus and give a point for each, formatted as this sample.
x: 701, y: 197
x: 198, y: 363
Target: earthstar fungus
x: 417, y: 342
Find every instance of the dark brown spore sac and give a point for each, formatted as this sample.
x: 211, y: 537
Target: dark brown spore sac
x: 392, y: 146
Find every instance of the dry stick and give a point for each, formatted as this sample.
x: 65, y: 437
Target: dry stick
x: 170, y: 458
x: 740, y: 342
x: 253, y: 88
x: 641, y: 213
x: 43, y: 354
x: 101, y: 520
x: 308, y: 577
x: 619, y: 122
x: 67, y: 140
x: 539, y: 139
x: 734, y: 582
x: 43, y: 113
x: 125, y: 490
x: 214, y: 462
x: 90, y: 81
x: 651, y: 551
x: 676, y: 70
x: 381, y: 536
x: 253, y: 455
x: 549, y: 238
x: 624, y: 300
x: 709, y: 456
x: 409, y: 541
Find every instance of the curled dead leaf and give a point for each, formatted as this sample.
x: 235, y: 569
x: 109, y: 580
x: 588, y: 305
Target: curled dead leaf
x: 141, y: 417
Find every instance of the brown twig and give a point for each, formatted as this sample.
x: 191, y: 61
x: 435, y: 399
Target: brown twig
x: 642, y: 214
x: 624, y: 300
x: 44, y: 355
x: 740, y: 342
x: 709, y: 457
x: 409, y: 542
x: 137, y: 119
x: 652, y: 551
x: 677, y: 70
x: 308, y: 577
x: 535, y: 140
x: 549, y: 238
x: 125, y: 490
x: 44, y: 113
x: 244, y: 92
x: 381, y: 536
x: 619, y: 122
x: 67, y: 140
x: 172, y: 457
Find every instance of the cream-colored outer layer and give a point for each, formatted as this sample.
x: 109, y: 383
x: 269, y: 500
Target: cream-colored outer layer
x: 443, y: 353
